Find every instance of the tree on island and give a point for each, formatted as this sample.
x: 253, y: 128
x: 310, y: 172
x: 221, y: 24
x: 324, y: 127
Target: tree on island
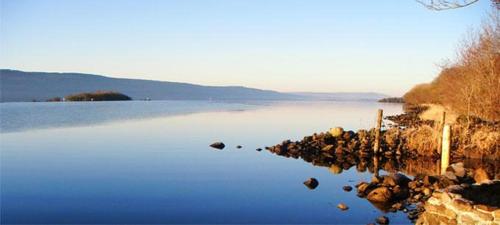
x: 98, y: 96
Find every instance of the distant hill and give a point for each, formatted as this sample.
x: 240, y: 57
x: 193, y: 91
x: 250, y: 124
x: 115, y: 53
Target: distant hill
x: 17, y: 86
x: 20, y: 86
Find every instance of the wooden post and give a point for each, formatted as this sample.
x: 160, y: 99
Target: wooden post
x: 375, y: 166
x: 376, y: 146
x: 440, y: 128
x: 445, y: 150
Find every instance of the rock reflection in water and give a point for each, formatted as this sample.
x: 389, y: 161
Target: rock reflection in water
x: 389, y: 193
x: 409, y: 166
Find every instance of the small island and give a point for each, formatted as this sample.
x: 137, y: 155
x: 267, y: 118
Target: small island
x: 392, y: 100
x: 98, y: 96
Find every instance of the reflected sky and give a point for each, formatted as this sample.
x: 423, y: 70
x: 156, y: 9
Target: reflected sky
x: 160, y: 169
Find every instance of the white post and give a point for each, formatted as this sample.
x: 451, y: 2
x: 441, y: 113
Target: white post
x: 445, y: 149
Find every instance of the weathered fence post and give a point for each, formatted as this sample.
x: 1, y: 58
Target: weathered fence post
x: 376, y: 146
x: 375, y: 166
x: 440, y: 129
x: 445, y: 150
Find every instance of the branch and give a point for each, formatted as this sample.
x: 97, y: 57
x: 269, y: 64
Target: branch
x: 439, y: 5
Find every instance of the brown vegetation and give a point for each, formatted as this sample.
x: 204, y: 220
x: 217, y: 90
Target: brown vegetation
x: 471, y: 85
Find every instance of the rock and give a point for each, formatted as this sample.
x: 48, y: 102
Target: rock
x: 413, y: 184
x: 399, y: 192
x: 335, y: 169
x: 259, y: 149
x: 342, y: 206
x: 311, y: 183
x: 429, y: 180
x: 458, y: 169
x: 347, y: 188
x: 396, y: 179
x: 362, y: 187
x: 382, y: 220
x: 398, y: 206
x: 444, y: 181
x: 327, y: 148
x: 417, y: 197
x: 480, y: 176
x: 347, y: 136
x: 218, y: 145
x: 380, y: 194
x: 337, y: 131
x: 376, y: 179
x: 451, y: 176
x: 239, y: 146
x: 427, y: 191
x: 339, y: 150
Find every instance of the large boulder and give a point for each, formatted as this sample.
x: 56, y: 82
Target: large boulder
x: 380, y: 194
x: 396, y: 179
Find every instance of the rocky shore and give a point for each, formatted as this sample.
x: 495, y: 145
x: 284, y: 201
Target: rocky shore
x: 407, y: 139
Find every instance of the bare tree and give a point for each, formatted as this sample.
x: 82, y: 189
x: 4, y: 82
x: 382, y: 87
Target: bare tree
x: 451, y: 4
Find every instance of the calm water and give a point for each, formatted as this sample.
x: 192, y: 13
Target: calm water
x: 149, y: 162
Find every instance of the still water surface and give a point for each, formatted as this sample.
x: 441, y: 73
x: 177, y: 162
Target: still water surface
x: 149, y: 162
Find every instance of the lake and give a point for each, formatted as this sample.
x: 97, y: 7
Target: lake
x: 150, y: 162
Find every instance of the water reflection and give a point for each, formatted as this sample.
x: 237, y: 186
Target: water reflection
x: 22, y: 116
x: 407, y: 165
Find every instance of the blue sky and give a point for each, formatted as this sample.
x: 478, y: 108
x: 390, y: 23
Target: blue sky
x: 287, y: 45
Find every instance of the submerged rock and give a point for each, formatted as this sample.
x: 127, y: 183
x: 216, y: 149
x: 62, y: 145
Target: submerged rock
x: 382, y: 220
x: 218, y: 145
x: 311, y: 183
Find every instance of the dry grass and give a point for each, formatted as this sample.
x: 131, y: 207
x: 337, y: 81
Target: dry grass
x: 486, y: 140
x: 424, y: 139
